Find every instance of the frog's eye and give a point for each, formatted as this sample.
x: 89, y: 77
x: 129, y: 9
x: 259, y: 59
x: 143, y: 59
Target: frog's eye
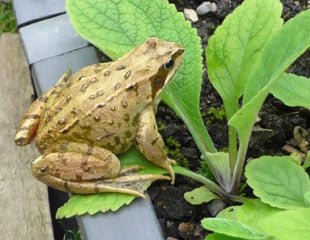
x: 169, y: 64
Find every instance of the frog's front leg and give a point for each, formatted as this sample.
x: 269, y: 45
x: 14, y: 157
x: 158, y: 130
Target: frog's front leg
x: 94, y: 171
x: 31, y: 120
x: 150, y: 142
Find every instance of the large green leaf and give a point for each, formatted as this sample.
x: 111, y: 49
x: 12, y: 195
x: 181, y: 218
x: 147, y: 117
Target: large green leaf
x: 117, y: 26
x: 278, y: 181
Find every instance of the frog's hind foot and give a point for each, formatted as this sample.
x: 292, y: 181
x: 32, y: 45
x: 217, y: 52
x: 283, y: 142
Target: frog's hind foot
x: 130, y: 184
x: 133, y: 184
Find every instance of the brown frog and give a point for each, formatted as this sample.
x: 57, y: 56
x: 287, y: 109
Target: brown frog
x: 102, y: 110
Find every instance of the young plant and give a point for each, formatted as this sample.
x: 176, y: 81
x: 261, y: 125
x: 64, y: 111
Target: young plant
x: 246, y: 58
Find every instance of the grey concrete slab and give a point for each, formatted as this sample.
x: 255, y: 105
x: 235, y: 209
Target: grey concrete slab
x: 134, y: 222
x: 49, y: 38
x: 33, y: 10
x: 47, y: 72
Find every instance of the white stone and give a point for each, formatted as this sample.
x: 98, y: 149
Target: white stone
x: 213, y: 7
x: 190, y: 15
x: 204, y: 8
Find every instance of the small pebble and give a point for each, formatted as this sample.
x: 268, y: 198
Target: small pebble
x: 213, y: 7
x: 204, y: 8
x: 190, y: 15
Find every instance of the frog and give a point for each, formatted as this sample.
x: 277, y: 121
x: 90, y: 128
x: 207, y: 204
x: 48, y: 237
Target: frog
x: 86, y: 120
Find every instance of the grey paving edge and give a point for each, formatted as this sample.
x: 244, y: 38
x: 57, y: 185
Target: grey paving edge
x: 49, y: 38
x: 52, y: 47
x: 32, y: 10
x: 46, y: 73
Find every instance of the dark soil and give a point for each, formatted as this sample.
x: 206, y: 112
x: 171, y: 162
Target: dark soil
x: 180, y: 220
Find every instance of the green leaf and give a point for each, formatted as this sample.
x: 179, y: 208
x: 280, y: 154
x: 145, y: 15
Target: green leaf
x: 293, y: 90
x: 278, y: 181
x: 200, y: 195
x: 288, y: 225
x: 117, y: 26
x: 92, y: 204
x: 231, y: 228
x: 235, y: 46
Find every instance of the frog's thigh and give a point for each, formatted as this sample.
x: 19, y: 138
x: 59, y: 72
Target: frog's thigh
x: 59, y: 170
x: 150, y: 142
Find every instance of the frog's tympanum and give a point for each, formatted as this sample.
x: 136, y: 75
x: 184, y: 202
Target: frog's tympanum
x: 102, y: 110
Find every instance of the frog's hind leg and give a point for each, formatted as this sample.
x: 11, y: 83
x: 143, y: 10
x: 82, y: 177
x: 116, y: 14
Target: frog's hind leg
x: 31, y: 120
x: 94, y: 170
x: 85, y: 169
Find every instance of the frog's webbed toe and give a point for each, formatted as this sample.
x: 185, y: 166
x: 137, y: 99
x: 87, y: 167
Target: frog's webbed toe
x: 134, y: 184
